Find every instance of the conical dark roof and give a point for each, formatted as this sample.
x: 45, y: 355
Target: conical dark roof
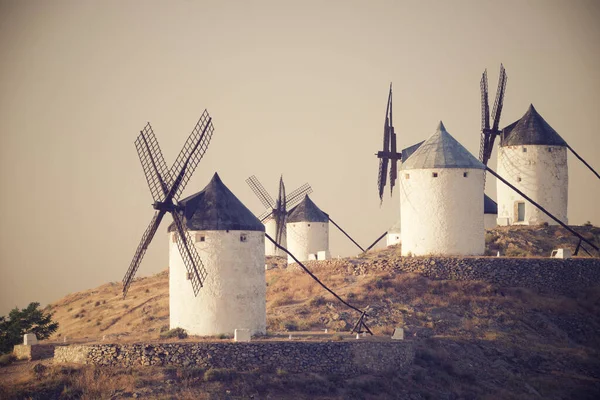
x: 307, y: 211
x: 441, y: 150
x: 489, y: 205
x: 531, y: 129
x: 216, y: 208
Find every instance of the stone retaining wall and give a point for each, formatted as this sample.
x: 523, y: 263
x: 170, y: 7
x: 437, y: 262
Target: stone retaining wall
x: 345, y: 358
x: 546, y: 275
x: 33, y: 352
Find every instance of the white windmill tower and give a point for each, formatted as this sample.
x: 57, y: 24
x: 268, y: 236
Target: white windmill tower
x: 308, y: 232
x: 276, y: 212
x: 533, y: 157
x: 441, y: 196
x: 230, y: 242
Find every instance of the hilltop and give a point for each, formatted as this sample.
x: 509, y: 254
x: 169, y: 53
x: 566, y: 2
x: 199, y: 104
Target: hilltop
x: 474, y: 339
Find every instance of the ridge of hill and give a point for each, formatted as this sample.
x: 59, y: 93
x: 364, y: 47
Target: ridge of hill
x: 474, y: 339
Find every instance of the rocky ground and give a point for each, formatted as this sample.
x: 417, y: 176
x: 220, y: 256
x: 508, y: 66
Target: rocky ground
x: 475, y: 340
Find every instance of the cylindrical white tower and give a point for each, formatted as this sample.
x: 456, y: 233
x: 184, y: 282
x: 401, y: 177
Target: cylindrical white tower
x: 533, y: 157
x: 230, y: 242
x: 271, y: 230
x: 441, y: 195
x: 308, y: 232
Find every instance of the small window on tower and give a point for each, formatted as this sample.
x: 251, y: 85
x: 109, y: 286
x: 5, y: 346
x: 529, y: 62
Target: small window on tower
x: 188, y: 276
x: 519, y: 179
x: 406, y: 176
x: 549, y: 149
x: 308, y: 224
x: 524, y: 149
x: 243, y: 237
x: 434, y: 174
x: 200, y: 238
x: 465, y: 174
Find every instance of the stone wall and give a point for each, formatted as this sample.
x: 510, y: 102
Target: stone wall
x: 546, y: 275
x: 33, y: 352
x: 345, y: 358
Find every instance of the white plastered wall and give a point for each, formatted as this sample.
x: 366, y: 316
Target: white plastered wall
x: 234, y: 292
x: 490, y: 221
x: 442, y: 215
x: 270, y: 248
x: 305, y: 238
x: 393, y: 238
x: 541, y: 172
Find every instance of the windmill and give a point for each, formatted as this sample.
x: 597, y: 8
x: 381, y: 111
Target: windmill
x: 488, y: 134
x: 166, y: 186
x: 389, y: 152
x: 277, y: 210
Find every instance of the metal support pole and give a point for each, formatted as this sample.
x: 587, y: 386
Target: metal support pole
x: 348, y: 236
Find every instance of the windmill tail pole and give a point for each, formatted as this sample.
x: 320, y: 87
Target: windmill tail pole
x: 376, y: 241
x: 348, y: 236
x: 312, y: 275
x: 541, y: 208
x: 583, y: 161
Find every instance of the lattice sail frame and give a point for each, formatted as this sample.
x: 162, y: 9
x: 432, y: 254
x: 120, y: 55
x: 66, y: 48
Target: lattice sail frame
x: 166, y: 187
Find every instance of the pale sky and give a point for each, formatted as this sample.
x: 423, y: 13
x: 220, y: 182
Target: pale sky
x: 294, y: 87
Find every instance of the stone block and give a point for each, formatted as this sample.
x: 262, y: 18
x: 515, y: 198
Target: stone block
x: 241, y: 335
x: 323, y: 255
x: 561, y: 253
x: 312, y: 257
x: 398, y: 334
x: 30, y: 339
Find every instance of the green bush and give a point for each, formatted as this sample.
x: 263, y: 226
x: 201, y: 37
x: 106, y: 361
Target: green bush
x: 28, y: 320
x: 179, y: 333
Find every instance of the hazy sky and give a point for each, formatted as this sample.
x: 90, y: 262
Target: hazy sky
x: 294, y: 87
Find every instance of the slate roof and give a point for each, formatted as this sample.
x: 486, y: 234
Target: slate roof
x: 411, y: 149
x: 441, y: 150
x: 531, y: 129
x: 307, y: 211
x: 489, y: 205
x: 216, y: 208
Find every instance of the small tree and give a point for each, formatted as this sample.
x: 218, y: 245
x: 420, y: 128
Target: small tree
x: 28, y: 320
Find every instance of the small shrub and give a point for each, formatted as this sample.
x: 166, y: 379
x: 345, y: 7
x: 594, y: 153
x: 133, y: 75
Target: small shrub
x: 588, y: 223
x: 70, y: 309
x: 219, y: 375
x: 6, y: 359
x: 290, y: 326
x: 96, y: 304
x: 103, y: 301
x: 39, y: 370
x: 164, y: 328
x: 281, y: 372
x: 316, y: 301
x: 179, y: 333
x: 126, y: 306
x: 337, y: 337
x: 222, y: 336
x: 147, y: 290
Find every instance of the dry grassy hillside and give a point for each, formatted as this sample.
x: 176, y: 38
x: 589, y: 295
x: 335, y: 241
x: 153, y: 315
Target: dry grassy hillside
x: 474, y: 339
